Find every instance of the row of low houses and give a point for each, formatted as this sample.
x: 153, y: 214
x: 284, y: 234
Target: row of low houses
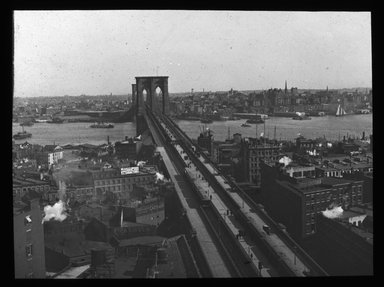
x: 269, y: 101
x: 43, y: 155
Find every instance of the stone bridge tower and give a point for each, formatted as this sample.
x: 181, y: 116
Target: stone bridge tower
x: 152, y: 91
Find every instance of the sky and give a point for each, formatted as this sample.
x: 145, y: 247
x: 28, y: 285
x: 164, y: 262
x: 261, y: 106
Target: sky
x: 59, y: 53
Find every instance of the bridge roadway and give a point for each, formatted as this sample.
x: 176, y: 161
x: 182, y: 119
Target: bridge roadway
x: 249, y: 247
x: 247, y: 244
x: 216, y: 262
x: 294, y: 261
x: 286, y: 254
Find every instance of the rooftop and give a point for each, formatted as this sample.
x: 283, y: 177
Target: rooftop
x: 21, y: 181
x: 335, y: 181
x: 142, y: 240
x: 73, y: 272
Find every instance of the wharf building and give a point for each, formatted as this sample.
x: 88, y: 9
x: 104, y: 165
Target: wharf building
x: 28, y: 240
x: 294, y: 196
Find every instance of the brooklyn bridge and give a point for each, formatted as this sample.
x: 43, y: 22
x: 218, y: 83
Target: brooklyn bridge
x: 229, y: 234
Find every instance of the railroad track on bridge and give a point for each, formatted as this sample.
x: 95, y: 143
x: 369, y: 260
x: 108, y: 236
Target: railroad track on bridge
x: 238, y: 265
x: 278, y: 251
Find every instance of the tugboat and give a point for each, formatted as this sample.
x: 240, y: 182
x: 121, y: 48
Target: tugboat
x: 245, y: 125
x: 102, y: 126
x: 22, y: 135
x: 301, y: 116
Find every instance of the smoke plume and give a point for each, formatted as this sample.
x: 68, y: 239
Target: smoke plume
x: 141, y: 163
x: 57, y: 212
x: 159, y: 177
x: 335, y: 212
x: 285, y: 160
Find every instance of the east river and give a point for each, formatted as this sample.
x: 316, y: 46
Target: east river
x: 286, y: 129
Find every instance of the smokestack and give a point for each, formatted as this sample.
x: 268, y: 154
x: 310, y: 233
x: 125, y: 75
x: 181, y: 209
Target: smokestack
x: 108, y: 139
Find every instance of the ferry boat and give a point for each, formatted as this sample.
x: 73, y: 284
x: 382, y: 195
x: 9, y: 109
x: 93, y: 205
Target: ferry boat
x: 232, y: 118
x: 102, y: 125
x: 255, y: 121
x: 41, y: 121
x: 27, y: 124
x: 362, y: 111
x: 22, y: 135
x: 316, y: 113
x: 55, y: 121
x: 301, y: 117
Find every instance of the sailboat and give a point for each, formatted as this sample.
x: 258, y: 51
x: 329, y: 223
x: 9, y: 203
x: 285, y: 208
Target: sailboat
x: 340, y: 111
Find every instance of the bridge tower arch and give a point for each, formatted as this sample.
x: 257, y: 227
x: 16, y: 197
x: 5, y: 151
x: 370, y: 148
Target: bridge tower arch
x: 150, y: 85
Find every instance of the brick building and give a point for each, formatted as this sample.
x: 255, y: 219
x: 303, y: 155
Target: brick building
x: 346, y: 249
x: 28, y: 240
x: 121, y: 181
x: 295, y: 200
x: 254, y: 151
x: 22, y: 186
x: 128, y: 149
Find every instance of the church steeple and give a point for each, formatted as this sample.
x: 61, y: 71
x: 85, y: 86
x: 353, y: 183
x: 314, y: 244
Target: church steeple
x: 285, y: 87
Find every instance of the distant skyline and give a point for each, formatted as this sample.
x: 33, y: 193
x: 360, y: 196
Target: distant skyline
x: 59, y: 53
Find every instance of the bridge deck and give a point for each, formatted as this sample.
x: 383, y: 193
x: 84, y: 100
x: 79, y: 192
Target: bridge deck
x: 215, y: 261
x: 286, y: 253
x: 229, y: 219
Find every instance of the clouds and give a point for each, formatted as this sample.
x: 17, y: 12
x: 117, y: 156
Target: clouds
x: 95, y: 52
